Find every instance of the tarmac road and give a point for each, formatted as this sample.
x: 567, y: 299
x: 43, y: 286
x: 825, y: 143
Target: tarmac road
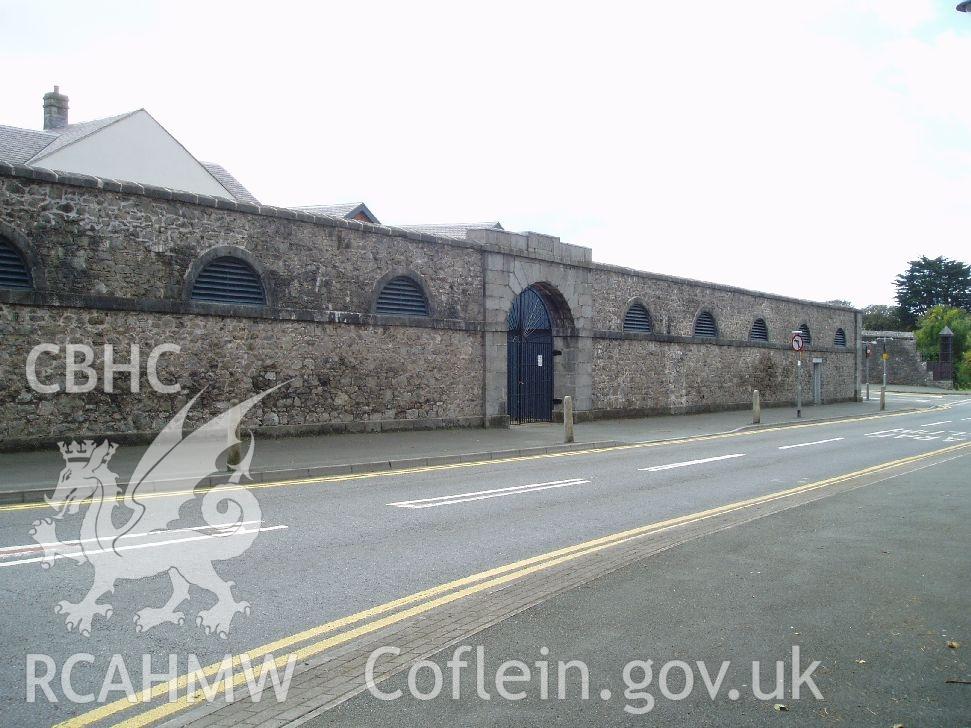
x: 328, y: 549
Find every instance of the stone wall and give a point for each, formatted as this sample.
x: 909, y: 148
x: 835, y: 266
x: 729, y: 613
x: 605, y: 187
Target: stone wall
x: 141, y: 248
x: 905, y: 365
x: 670, y: 371
x: 339, y: 378
x: 643, y: 377
x: 674, y: 304
x: 113, y: 262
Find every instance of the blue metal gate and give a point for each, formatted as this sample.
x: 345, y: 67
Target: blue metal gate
x: 529, y: 364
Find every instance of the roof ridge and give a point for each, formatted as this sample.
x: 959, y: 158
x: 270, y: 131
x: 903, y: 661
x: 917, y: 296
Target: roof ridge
x: 450, y: 224
x: 32, y: 131
x: 330, y: 204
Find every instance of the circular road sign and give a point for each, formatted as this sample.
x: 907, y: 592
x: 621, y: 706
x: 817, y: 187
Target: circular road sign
x: 797, y: 343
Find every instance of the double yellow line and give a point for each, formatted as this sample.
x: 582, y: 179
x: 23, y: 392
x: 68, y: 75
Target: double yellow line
x: 479, y: 463
x: 399, y: 610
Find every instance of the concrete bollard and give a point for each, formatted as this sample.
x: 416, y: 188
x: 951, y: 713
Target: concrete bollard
x: 883, y: 398
x: 756, y: 407
x: 568, y: 419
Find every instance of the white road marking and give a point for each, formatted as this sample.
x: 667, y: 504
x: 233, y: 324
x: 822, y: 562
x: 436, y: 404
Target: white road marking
x: 942, y: 422
x: 921, y: 435
x: 35, y: 546
x: 671, y: 466
x: 807, y: 444
x: 448, y: 500
x: 155, y: 544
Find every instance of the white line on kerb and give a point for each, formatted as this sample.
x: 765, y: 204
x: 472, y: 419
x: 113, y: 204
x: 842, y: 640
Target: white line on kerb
x: 807, y: 444
x: 942, y: 422
x: 447, y: 500
x: 671, y: 466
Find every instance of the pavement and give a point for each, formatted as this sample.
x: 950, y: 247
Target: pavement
x: 32, y: 473
x: 426, y: 556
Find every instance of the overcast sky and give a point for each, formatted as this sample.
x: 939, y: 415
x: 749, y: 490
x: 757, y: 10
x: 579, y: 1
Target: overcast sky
x: 804, y: 148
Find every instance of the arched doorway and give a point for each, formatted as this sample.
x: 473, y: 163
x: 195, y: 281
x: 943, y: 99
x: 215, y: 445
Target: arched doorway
x: 530, y: 359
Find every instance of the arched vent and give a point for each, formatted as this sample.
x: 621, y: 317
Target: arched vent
x: 840, y: 339
x: 759, y: 332
x: 807, y: 336
x: 13, y: 270
x: 638, y: 319
x: 705, y: 326
x: 402, y: 296
x: 229, y: 280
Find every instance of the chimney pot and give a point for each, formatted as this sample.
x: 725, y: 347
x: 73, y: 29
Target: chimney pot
x: 55, y: 109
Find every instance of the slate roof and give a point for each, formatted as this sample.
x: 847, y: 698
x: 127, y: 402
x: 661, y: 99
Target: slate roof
x: 31, y: 147
x: 345, y: 210
x: 452, y: 230
x: 19, y: 145
x: 232, y: 184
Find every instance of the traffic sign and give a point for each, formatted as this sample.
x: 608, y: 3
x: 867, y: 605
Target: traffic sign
x: 869, y: 351
x: 797, y: 342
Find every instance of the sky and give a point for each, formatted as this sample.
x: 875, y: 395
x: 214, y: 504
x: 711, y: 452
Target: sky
x: 809, y: 149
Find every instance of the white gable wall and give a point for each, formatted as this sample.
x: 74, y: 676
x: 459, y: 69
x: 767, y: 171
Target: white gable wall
x: 136, y: 149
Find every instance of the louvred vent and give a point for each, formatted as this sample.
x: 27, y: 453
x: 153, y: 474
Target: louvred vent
x: 401, y: 296
x: 229, y: 280
x: 638, y: 319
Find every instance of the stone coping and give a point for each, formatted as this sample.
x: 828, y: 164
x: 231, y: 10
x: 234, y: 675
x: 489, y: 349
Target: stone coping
x: 888, y: 334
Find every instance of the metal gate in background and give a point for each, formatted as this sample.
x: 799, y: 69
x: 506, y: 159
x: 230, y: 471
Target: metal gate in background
x: 529, y: 363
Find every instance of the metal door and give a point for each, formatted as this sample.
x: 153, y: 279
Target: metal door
x: 529, y: 363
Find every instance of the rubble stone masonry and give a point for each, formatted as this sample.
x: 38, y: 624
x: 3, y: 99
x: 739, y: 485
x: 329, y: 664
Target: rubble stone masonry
x: 112, y: 262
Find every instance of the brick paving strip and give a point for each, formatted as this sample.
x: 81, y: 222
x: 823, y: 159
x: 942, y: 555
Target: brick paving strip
x: 328, y: 679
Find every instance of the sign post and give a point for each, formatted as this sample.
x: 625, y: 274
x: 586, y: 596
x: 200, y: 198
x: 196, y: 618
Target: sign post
x: 867, y: 359
x: 798, y: 344
x: 883, y: 390
x: 886, y: 357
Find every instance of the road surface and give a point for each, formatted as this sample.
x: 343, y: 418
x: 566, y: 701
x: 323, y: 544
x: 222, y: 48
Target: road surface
x: 326, y: 550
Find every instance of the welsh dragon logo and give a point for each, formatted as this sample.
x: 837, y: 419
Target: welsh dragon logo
x: 146, y: 545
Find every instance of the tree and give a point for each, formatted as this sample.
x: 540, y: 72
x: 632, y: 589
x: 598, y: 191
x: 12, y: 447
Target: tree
x: 930, y: 282
x: 884, y: 318
x: 929, y: 334
x: 964, y: 371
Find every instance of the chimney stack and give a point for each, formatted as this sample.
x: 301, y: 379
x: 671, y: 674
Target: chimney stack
x: 55, y: 109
